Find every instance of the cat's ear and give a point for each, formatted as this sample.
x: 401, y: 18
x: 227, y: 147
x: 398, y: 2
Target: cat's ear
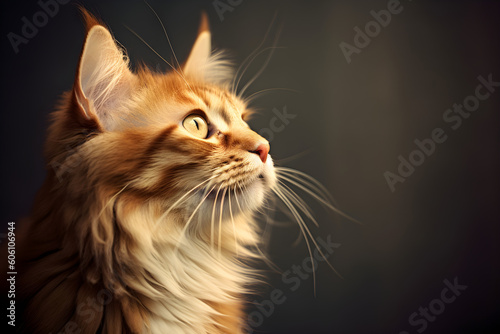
x: 103, y: 79
x: 202, y: 64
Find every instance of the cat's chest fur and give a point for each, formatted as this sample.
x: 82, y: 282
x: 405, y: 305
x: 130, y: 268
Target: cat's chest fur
x: 194, y: 286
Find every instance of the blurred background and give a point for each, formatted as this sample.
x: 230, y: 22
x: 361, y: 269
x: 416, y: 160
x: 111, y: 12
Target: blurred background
x: 356, y: 102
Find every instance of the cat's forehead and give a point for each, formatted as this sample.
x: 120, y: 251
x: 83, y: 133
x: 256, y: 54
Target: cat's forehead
x: 167, y: 99
x: 220, y: 103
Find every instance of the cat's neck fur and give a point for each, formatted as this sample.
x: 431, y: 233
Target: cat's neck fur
x: 104, y: 248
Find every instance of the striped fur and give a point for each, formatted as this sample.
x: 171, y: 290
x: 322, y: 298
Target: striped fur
x: 140, y: 227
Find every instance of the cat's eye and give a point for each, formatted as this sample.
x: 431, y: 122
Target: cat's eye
x: 196, y: 125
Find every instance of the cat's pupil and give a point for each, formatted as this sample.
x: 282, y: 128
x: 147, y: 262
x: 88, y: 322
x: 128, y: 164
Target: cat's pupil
x: 196, y: 123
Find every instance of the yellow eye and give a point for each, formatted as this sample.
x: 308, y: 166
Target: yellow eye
x: 196, y: 125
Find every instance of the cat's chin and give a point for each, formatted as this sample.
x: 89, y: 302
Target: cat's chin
x: 244, y: 198
x: 236, y: 200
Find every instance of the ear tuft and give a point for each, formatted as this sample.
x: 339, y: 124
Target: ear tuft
x: 89, y: 19
x: 204, y: 26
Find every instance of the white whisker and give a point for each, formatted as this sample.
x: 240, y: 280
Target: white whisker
x: 212, y: 227
x: 182, y: 198
x: 250, y: 98
x: 232, y: 221
x: 263, y: 67
x: 299, y: 202
x: 305, y: 230
x: 183, y: 232
x: 318, y: 198
x: 234, y: 83
x: 219, y: 245
x: 237, y: 201
x: 166, y: 35
x: 302, y: 227
x: 307, y: 180
x: 151, y: 48
x: 252, y: 60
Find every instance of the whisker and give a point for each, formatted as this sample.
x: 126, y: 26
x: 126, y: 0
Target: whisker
x: 265, y: 258
x: 166, y: 35
x: 183, y: 232
x: 301, y: 221
x: 269, y: 221
x: 290, y: 158
x: 212, y: 224
x: 236, y: 197
x: 273, y: 48
x: 302, y: 227
x: 298, y: 201
x: 151, y: 48
x: 182, y: 198
x: 235, y: 85
x: 232, y: 221
x: 241, y: 188
x: 319, y: 199
x: 256, y: 245
x: 253, y: 59
x: 249, y: 98
x: 308, y: 181
x: 286, y: 211
x: 220, y: 220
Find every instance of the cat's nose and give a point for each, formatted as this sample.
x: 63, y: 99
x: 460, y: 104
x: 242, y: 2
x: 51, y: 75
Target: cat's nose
x: 262, y: 150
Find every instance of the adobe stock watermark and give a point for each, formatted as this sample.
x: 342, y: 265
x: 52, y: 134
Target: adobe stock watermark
x: 87, y: 311
x: 276, y: 124
x: 71, y: 160
x: 372, y: 29
x: 30, y: 27
x: 222, y: 6
x: 424, y: 315
x: 453, y: 117
x: 292, y: 278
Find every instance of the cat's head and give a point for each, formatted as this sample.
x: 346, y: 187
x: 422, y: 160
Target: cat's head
x: 178, y: 138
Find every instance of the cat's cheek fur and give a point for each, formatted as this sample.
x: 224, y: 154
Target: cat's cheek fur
x: 224, y: 207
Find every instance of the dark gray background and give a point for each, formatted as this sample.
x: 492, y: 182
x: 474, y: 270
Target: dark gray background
x: 352, y: 122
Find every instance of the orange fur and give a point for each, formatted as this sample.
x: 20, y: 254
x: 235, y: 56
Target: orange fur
x: 106, y: 248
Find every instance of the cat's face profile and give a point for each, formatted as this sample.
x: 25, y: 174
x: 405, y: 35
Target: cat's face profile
x: 154, y: 183
x: 178, y: 140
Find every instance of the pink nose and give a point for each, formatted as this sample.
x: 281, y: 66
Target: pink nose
x: 262, y: 150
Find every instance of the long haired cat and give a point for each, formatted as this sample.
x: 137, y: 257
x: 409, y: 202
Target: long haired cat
x: 145, y: 222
